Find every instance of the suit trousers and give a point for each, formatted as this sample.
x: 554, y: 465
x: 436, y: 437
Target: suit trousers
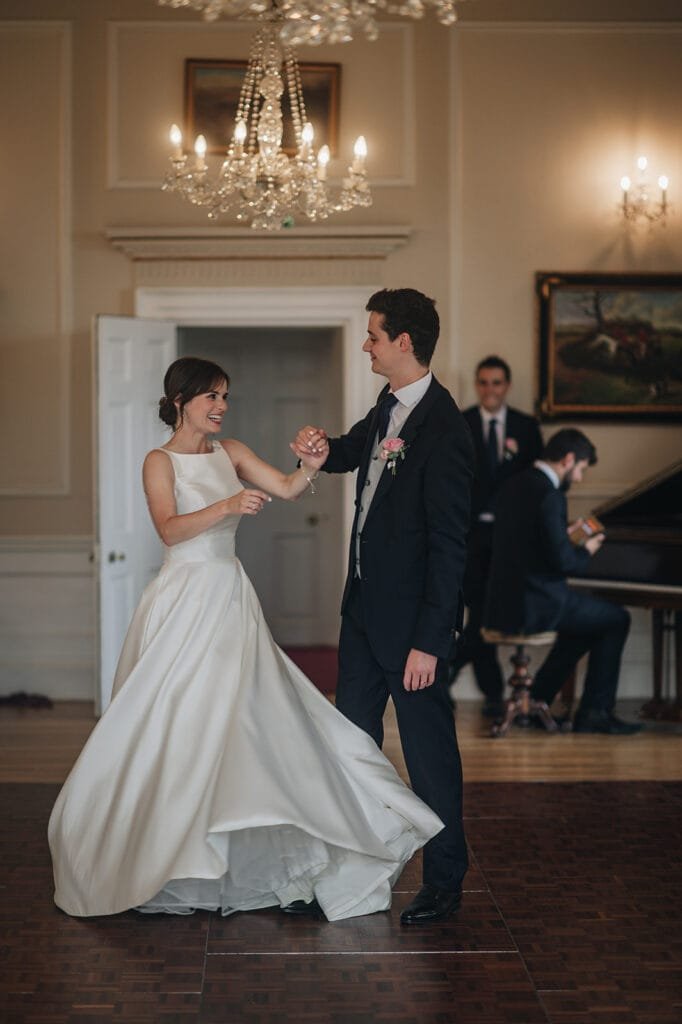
x: 471, y: 647
x: 427, y: 734
x: 587, y: 624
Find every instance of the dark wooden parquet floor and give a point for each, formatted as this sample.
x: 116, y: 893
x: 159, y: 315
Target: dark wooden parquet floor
x: 571, y: 915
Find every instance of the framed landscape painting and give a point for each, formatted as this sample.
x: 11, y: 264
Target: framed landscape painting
x: 610, y: 346
x: 212, y: 90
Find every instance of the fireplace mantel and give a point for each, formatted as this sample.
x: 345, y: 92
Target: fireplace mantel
x: 216, y: 243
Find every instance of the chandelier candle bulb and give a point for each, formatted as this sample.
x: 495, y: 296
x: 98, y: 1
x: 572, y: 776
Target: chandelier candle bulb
x: 176, y: 141
x: 239, y: 137
x: 307, y: 136
x: 642, y: 163
x: 322, y: 161
x: 360, y: 152
x: 200, y: 150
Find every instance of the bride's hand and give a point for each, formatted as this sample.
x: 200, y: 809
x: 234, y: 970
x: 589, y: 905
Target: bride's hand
x: 311, y: 446
x: 248, y: 502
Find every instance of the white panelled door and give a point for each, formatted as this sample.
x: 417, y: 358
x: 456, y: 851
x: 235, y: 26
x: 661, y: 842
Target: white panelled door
x: 132, y: 357
x: 282, y: 379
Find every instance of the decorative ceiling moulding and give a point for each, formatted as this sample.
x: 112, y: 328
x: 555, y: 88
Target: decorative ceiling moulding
x: 215, y: 243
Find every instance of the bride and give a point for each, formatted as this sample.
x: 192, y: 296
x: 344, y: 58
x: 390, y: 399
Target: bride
x: 219, y: 778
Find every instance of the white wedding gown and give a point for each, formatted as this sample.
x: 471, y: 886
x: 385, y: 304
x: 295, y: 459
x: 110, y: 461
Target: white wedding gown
x: 219, y: 778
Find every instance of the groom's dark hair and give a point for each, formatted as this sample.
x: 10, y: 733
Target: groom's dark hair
x: 408, y: 311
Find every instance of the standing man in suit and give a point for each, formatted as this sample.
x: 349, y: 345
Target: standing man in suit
x: 506, y: 441
x: 402, y: 601
x: 528, y: 592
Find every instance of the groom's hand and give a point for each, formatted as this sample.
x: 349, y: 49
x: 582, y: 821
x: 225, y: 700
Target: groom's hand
x: 420, y: 670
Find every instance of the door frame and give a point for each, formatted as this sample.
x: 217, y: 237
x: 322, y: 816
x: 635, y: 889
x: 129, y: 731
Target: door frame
x: 338, y: 307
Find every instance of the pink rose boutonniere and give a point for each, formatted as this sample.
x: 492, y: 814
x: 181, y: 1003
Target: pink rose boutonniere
x: 511, y: 448
x: 392, y: 449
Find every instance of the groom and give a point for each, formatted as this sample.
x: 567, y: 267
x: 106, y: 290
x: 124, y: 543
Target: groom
x: 402, y: 600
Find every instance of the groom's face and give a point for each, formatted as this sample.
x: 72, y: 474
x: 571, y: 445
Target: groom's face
x: 384, y: 354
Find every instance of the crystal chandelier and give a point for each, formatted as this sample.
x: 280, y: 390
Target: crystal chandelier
x: 638, y: 202
x: 258, y: 181
x: 318, y: 21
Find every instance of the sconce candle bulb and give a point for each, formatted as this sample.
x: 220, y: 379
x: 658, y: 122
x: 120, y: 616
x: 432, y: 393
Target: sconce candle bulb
x: 638, y: 202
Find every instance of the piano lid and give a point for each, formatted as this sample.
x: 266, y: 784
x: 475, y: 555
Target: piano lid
x: 654, y: 503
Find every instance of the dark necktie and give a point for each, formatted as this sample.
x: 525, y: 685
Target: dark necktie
x: 493, y: 456
x: 385, y: 407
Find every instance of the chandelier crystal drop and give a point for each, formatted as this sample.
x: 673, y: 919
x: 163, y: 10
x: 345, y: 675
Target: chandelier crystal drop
x: 258, y: 182
x: 320, y: 21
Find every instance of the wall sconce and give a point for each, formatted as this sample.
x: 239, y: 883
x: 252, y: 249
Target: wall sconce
x: 638, y: 200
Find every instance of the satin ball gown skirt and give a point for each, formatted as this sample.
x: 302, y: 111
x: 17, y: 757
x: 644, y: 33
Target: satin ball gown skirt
x: 219, y: 778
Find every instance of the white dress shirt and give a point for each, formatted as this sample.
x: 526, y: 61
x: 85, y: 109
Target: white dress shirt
x: 407, y: 399
x: 548, y: 471
x: 500, y: 418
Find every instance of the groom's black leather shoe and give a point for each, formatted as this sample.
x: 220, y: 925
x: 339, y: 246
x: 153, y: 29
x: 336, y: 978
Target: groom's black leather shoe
x: 431, y: 904
x: 299, y: 908
x: 604, y: 722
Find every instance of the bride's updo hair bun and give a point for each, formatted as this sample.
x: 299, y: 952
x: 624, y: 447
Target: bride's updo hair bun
x: 185, y: 379
x: 168, y: 414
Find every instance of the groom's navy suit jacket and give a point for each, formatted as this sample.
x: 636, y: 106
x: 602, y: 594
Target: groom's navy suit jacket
x: 413, y: 542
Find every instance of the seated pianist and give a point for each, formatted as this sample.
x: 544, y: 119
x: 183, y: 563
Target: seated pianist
x: 528, y: 590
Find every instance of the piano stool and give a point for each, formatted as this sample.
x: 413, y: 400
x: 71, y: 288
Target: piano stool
x: 520, y: 705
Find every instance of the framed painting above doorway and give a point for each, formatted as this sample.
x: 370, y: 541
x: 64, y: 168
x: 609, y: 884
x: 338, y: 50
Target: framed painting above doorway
x: 609, y: 346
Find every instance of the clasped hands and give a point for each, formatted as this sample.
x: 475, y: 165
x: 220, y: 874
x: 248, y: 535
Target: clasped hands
x: 311, y: 446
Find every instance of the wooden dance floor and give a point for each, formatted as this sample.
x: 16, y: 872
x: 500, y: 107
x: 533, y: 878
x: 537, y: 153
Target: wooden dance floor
x: 571, y: 915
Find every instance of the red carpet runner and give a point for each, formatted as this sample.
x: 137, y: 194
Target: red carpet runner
x: 318, y: 663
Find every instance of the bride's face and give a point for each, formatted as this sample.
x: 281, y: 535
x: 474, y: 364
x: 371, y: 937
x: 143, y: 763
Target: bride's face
x: 204, y: 413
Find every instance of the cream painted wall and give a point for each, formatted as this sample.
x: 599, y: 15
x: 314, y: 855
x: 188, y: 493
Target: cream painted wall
x: 499, y: 145
x: 548, y: 118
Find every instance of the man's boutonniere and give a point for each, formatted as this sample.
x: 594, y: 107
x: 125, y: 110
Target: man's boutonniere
x: 392, y: 449
x: 511, y: 448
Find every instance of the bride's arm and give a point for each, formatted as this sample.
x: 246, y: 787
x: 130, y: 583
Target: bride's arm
x: 283, y: 485
x: 158, y: 479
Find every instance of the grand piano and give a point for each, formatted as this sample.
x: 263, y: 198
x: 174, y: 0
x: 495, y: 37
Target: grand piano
x: 640, y: 565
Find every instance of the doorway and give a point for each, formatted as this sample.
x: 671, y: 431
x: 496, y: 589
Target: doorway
x: 281, y: 379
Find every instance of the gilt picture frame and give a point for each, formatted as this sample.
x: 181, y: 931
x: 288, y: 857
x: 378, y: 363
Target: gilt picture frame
x: 212, y: 90
x: 609, y: 346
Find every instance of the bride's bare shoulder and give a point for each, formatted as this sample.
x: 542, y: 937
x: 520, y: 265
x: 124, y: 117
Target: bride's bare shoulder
x: 156, y: 462
x: 237, y: 450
